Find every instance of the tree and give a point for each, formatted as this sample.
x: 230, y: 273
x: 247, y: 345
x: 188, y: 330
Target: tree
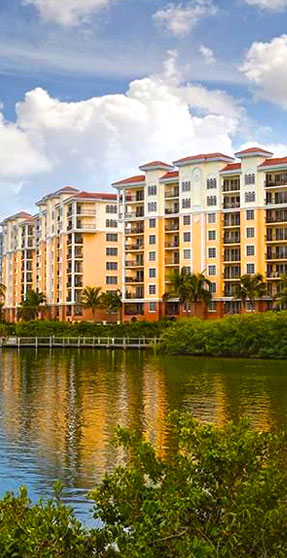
x: 188, y: 288
x: 91, y: 298
x: 179, y: 287
x: 112, y: 300
x: 2, y: 299
x: 281, y: 295
x: 221, y: 494
x: 249, y: 288
x: 32, y: 305
x: 198, y: 289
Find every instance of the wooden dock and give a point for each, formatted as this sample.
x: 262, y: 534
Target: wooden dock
x: 79, y: 342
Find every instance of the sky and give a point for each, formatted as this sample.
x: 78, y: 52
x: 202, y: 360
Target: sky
x: 91, y: 89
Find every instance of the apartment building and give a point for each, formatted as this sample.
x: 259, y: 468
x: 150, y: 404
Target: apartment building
x: 212, y: 213
x: 72, y: 242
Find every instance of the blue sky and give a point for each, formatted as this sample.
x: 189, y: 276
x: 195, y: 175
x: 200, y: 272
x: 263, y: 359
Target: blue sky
x: 90, y: 89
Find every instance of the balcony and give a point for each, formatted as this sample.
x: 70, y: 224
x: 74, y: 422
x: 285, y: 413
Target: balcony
x: 273, y: 181
x: 172, y: 194
x: 138, y: 198
x: 134, y: 230
x: 135, y: 280
x: 234, y: 222
x: 171, y: 244
x: 133, y: 247
x: 231, y: 186
x: 231, y: 257
x: 172, y: 261
x: 233, y: 239
x: 232, y: 273
x: 134, y: 214
x: 134, y: 264
x: 279, y: 198
x: 276, y: 216
x: 231, y: 204
x: 172, y: 227
x: 279, y: 235
x: 277, y: 254
x: 134, y: 295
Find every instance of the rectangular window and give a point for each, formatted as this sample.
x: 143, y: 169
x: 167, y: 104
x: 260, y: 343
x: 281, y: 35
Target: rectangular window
x: 111, y: 209
x: 250, y: 215
x: 212, y: 252
x: 111, y: 251
x: 186, y: 254
x: 111, y: 266
x: 211, y: 183
x: 212, y: 306
x: 111, y: 280
x: 111, y: 223
x: 152, y: 206
x: 211, y: 235
x: 186, y: 237
x: 250, y: 268
x: 185, y: 186
x: 152, y: 190
x: 211, y: 270
x: 152, y: 239
x: 212, y: 288
x: 250, y: 232
x: 186, y: 203
x: 152, y: 307
x: 151, y: 256
x: 186, y: 219
x: 250, y: 250
x: 249, y: 197
x: 152, y: 223
x: 249, y: 178
x: 111, y: 237
x: 211, y: 218
x: 211, y: 200
x: 152, y: 272
x: 152, y: 289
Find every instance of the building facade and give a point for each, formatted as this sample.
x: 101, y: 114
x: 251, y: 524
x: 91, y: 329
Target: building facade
x: 72, y: 242
x: 208, y: 213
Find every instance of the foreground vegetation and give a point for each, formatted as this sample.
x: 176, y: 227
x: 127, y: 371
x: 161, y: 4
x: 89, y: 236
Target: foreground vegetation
x: 222, y: 494
x: 249, y: 335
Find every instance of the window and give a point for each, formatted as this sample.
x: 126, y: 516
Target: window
x: 250, y: 215
x: 186, y: 237
x: 152, y: 239
x: 111, y: 266
x: 249, y: 307
x: 212, y: 252
x: 187, y: 269
x: 111, y: 251
x: 111, y: 209
x: 152, y: 289
x: 186, y: 254
x: 212, y: 306
x: 152, y: 307
x: 249, y: 178
x: 186, y: 219
x: 250, y: 232
x: 152, y: 223
x: 250, y: 268
x: 111, y: 237
x: 250, y: 250
x: 152, y: 206
x: 111, y: 223
x: 249, y: 197
x: 211, y: 183
x: 212, y: 288
x: 211, y: 218
x: 211, y: 235
x: 152, y: 272
x: 212, y: 270
x: 152, y: 190
x: 151, y: 256
x: 186, y: 203
x: 211, y: 200
x: 111, y: 280
x: 185, y: 186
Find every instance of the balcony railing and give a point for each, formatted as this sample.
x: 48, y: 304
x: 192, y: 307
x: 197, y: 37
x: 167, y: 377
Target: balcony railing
x: 134, y: 264
x: 134, y: 247
x: 231, y: 204
x: 171, y: 194
x: 232, y: 240
x: 171, y: 245
x: 170, y: 228
x: 171, y: 210
x: 134, y: 280
x: 131, y: 296
x: 134, y: 230
x: 277, y: 255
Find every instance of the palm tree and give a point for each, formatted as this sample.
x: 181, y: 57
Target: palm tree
x: 198, y: 289
x: 249, y: 288
x: 179, y: 287
x: 2, y: 299
x: 281, y: 295
x: 91, y: 298
x: 112, y: 300
x: 31, y: 306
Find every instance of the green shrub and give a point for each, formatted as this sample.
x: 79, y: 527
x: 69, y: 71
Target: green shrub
x: 251, y: 335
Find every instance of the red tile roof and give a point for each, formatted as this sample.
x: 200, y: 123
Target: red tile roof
x: 20, y: 215
x: 159, y: 164
x: 275, y: 161
x: 231, y: 167
x: 170, y: 174
x: 96, y: 196
x: 204, y: 156
x: 131, y: 180
x: 253, y: 150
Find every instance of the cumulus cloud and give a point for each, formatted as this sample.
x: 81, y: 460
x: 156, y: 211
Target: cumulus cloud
x: 207, y: 54
x: 265, y: 66
x: 68, y: 12
x: 270, y: 5
x: 180, y: 19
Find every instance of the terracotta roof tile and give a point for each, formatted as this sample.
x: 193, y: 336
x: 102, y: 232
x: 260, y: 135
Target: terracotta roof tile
x: 275, y: 161
x: 131, y: 180
x: 170, y: 174
x: 231, y: 167
x: 96, y: 196
x: 203, y: 156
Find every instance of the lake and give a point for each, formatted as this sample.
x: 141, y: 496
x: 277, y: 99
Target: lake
x: 58, y: 410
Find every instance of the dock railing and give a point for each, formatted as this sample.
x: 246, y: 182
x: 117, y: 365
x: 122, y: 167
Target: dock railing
x: 78, y: 342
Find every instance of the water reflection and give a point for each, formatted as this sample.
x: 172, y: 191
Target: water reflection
x: 58, y: 410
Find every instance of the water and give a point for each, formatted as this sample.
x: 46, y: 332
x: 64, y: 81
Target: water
x: 58, y: 410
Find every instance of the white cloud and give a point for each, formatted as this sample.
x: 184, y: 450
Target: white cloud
x: 180, y: 19
x: 207, y: 54
x: 67, y: 12
x: 265, y: 66
x: 270, y: 5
